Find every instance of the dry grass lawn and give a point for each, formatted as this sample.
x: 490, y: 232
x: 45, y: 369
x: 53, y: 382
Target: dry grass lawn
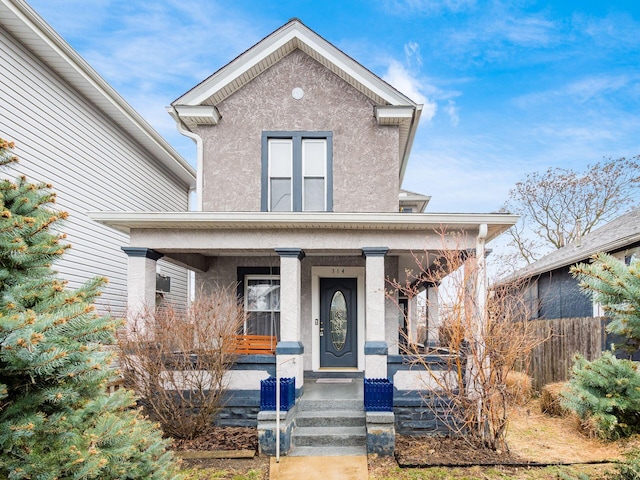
x: 541, y: 438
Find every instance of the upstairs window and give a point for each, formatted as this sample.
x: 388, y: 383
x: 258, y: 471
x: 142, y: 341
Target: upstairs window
x: 280, y: 174
x: 297, y: 171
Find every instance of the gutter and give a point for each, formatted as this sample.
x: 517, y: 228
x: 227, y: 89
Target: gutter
x: 412, y: 135
x: 184, y: 130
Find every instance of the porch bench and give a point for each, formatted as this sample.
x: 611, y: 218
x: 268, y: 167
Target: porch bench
x: 255, y: 344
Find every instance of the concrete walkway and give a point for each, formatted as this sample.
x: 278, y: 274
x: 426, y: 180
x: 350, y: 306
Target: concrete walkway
x: 319, y: 468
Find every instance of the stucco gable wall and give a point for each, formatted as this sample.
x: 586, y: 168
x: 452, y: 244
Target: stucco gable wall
x: 365, y: 155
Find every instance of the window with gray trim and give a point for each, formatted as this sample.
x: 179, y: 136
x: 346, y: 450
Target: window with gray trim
x: 262, y: 305
x: 297, y: 172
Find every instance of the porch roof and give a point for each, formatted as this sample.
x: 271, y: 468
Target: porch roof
x: 496, y: 223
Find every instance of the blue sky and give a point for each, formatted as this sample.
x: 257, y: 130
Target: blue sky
x: 508, y: 87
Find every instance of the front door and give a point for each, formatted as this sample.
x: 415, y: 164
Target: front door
x: 338, y: 322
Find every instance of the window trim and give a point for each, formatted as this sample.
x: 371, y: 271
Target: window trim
x: 243, y: 274
x: 297, y: 179
x: 249, y: 277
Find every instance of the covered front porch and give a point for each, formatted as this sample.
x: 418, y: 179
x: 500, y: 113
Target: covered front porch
x: 316, y: 282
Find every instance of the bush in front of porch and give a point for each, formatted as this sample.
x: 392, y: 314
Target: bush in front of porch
x: 481, y: 342
x: 177, y: 361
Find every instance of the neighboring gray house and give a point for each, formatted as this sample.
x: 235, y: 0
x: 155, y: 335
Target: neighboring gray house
x: 552, y: 292
x: 301, y: 156
x: 74, y: 131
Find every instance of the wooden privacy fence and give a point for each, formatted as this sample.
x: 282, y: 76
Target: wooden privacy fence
x: 551, y: 361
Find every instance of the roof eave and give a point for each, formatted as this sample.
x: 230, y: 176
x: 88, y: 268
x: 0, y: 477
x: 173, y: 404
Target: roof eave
x: 292, y: 31
x: 125, y: 221
x: 79, y: 74
x: 581, y: 255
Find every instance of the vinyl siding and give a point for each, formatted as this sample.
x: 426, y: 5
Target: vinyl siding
x: 560, y: 296
x: 63, y: 139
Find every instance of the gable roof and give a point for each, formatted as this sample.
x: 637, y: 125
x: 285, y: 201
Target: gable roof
x: 407, y: 197
x: 21, y: 21
x: 620, y: 233
x: 199, y: 105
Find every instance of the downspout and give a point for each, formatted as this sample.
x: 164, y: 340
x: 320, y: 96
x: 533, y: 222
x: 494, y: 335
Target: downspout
x: 199, y: 156
x: 481, y: 313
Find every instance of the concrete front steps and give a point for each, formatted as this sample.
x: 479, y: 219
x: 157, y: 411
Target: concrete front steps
x: 331, y: 420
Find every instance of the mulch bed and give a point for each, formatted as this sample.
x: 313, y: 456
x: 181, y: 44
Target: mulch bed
x: 223, y: 438
x: 447, y: 452
x: 410, y: 451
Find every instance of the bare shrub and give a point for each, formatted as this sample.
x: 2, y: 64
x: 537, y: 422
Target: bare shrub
x: 484, y: 341
x: 177, y: 361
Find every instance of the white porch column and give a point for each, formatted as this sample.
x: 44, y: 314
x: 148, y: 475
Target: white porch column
x: 477, y: 295
x: 141, y: 280
x: 412, y: 319
x: 290, y: 349
x: 433, y: 318
x: 375, y: 347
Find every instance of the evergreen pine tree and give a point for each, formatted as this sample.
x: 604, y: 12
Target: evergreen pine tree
x: 606, y: 394
x: 606, y: 391
x: 56, y: 421
x: 616, y: 287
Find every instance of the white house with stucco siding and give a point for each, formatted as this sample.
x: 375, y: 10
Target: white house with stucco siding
x: 301, y: 156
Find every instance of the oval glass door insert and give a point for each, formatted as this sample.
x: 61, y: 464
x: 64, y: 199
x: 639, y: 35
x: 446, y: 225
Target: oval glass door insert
x: 338, y: 319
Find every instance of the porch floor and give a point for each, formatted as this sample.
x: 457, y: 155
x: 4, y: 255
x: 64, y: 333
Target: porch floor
x: 329, y: 389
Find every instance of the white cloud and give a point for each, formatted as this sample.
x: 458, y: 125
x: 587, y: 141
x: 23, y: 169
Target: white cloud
x: 452, y: 109
x: 497, y: 34
x: 399, y: 78
x: 142, y: 45
x: 459, y: 180
x: 582, y: 90
x: 590, y: 87
x: 533, y: 30
x: 617, y: 30
x: 412, y: 52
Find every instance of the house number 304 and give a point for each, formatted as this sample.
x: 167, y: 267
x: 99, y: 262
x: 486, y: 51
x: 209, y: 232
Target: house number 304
x: 337, y: 270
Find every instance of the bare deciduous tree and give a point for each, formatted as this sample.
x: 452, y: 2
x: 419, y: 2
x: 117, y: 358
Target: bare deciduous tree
x: 177, y: 361
x: 560, y: 205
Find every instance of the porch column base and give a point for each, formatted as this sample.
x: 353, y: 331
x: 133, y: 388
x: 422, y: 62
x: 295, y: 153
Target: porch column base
x: 375, y: 366
x: 381, y: 433
x: 267, y: 431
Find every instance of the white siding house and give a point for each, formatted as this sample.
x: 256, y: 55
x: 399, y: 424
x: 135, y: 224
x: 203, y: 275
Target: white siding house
x: 74, y: 131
